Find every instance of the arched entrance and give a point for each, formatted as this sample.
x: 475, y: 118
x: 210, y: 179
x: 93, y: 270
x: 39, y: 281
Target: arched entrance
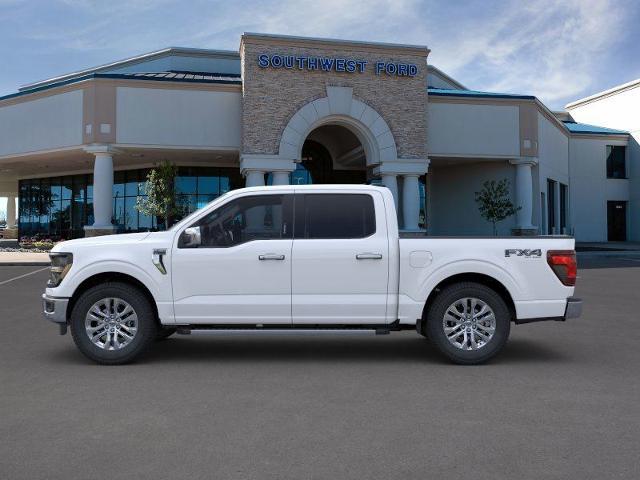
x: 340, y: 139
x: 331, y: 154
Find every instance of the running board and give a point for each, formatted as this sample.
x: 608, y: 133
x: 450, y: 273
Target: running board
x: 224, y: 332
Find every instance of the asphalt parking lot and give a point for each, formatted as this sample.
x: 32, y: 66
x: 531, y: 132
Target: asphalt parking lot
x: 562, y: 401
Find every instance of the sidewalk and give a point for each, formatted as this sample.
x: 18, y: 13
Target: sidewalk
x: 23, y: 259
x: 608, y: 246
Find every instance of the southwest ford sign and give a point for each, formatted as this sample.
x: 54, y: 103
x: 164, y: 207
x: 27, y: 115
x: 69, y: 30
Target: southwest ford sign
x: 334, y: 64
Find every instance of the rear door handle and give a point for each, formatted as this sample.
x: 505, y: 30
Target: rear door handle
x: 369, y: 256
x: 270, y: 256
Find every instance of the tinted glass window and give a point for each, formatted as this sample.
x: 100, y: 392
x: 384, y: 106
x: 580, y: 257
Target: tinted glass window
x: 335, y: 216
x: 263, y: 217
x: 616, y: 167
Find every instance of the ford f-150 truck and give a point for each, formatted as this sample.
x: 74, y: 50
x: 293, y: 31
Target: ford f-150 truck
x: 305, y: 260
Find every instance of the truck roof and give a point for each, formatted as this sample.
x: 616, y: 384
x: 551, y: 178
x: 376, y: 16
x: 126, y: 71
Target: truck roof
x: 336, y: 187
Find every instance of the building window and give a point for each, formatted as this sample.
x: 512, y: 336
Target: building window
x: 616, y: 161
x: 422, y: 221
x: 551, y: 206
x: 60, y: 207
x: 564, y: 207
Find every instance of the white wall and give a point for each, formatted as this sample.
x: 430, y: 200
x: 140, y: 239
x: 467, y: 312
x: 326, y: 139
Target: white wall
x: 620, y: 111
x: 466, y: 129
x: 451, y: 193
x: 42, y: 124
x: 190, y: 118
x: 553, y: 163
x: 590, y: 189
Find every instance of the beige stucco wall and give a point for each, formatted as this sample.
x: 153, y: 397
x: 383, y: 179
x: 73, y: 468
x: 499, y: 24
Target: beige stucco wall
x: 467, y: 129
x: 54, y: 121
x: 451, y: 197
x: 178, y: 117
x: 271, y: 96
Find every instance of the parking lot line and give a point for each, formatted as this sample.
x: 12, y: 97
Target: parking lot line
x: 22, y: 276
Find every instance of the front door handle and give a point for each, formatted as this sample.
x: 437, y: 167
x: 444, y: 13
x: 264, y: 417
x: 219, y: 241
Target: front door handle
x: 369, y: 256
x: 270, y: 256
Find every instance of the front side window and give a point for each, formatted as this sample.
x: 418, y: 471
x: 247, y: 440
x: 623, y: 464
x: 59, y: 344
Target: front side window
x: 337, y: 216
x: 259, y: 217
x: 616, y: 164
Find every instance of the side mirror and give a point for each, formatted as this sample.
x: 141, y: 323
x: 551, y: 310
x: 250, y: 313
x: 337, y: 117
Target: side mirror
x: 190, y: 238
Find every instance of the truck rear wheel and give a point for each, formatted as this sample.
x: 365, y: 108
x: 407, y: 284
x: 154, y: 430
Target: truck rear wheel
x: 113, y: 323
x: 468, y: 322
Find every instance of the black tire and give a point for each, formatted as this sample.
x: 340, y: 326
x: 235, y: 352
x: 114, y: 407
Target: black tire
x: 421, y: 328
x: 447, y: 297
x: 165, y: 332
x: 147, y: 326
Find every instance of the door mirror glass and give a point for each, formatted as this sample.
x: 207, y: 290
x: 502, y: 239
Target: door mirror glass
x: 190, y: 238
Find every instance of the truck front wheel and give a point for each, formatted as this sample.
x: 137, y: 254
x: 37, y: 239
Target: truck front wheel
x: 113, y: 323
x: 468, y: 322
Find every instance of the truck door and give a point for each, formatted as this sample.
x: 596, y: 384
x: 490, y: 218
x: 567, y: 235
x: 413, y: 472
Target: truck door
x: 340, y: 269
x: 233, y: 266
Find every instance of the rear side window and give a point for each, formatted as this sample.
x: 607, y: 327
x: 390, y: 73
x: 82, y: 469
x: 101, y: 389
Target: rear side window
x: 328, y: 215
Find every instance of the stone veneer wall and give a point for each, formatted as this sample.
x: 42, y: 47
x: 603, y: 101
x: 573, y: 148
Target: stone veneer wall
x: 271, y: 96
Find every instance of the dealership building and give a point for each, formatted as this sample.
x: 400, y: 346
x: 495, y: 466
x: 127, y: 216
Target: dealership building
x: 75, y: 150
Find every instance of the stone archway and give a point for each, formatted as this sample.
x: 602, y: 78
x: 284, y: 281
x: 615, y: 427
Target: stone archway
x: 340, y: 108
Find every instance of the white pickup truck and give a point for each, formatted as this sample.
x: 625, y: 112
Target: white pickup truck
x: 305, y: 260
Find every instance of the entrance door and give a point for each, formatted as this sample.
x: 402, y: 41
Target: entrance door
x: 239, y: 269
x: 340, y: 257
x: 617, y: 221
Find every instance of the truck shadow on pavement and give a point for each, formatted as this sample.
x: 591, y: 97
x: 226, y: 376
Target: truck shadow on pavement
x: 327, y: 350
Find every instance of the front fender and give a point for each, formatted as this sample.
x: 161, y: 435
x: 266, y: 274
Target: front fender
x: 75, y: 278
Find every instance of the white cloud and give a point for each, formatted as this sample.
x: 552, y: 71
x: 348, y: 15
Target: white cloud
x: 545, y: 48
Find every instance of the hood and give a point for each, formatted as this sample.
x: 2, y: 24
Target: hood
x: 121, y: 239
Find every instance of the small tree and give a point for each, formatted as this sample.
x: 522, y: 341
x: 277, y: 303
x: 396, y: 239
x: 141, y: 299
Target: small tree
x: 161, y: 200
x: 494, y: 202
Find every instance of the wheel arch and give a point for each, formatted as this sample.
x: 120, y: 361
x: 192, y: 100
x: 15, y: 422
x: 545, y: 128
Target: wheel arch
x: 480, y: 278
x: 106, y: 277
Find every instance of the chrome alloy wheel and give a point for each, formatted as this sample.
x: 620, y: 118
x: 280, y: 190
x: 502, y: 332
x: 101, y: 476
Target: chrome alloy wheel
x: 111, y: 324
x: 469, y: 323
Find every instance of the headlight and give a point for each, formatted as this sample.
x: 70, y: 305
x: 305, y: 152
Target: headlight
x: 60, y: 265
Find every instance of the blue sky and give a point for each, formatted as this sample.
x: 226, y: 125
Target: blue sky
x: 557, y: 50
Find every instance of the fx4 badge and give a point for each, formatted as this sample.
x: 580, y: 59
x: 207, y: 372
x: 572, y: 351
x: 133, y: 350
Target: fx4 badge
x: 517, y: 252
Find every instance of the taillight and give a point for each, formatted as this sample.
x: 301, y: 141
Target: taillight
x: 563, y: 263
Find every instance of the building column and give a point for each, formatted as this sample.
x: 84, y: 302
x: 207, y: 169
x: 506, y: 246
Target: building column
x: 390, y: 180
x: 280, y: 177
x: 410, y: 202
x: 407, y: 199
x: 102, y: 191
x: 254, y: 178
x: 524, y: 196
x: 11, y: 212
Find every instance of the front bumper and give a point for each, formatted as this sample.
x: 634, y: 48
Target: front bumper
x: 574, y: 308
x: 54, y: 309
